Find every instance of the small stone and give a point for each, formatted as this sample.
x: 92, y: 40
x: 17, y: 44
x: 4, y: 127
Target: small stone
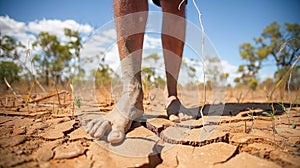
x: 19, y: 131
x: 68, y: 151
x: 38, y: 120
x: 19, y: 152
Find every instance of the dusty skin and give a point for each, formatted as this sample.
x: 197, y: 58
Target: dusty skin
x: 46, y: 133
x: 130, y: 29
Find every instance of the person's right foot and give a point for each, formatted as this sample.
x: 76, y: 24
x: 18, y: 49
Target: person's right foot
x: 118, y: 121
x: 176, y: 111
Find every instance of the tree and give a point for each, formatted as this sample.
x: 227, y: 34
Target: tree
x: 249, y: 71
x: 54, y: 58
x: 8, y: 53
x: 266, y: 84
x: 148, y: 77
x: 282, y: 46
x: 191, y: 70
x: 153, y: 56
x: 74, y: 45
x: 10, y: 71
x: 149, y: 74
x: 9, y: 47
x: 103, y: 75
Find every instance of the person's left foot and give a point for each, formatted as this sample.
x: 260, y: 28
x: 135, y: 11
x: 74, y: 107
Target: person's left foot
x: 177, y: 112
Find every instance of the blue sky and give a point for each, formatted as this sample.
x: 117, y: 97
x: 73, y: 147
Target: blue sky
x: 228, y: 23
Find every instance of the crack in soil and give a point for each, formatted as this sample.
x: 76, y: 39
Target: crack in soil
x: 162, y: 131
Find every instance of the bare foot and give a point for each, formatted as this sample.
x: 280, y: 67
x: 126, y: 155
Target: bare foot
x: 177, y: 112
x: 118, y: 121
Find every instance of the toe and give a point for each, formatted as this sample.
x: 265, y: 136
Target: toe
x: 115, y: 136
x: 102, y: 129
x: 90, y: 124
x: 118, y: 131
x: 174, y: 118
x: 184, y: 117
x: 95, y: 127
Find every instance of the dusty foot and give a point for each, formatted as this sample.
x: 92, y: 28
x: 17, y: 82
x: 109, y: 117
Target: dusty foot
x: 118, y: 121
x: 176, y: 111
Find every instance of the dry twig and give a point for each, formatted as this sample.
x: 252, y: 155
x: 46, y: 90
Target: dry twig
x: 47, y: 97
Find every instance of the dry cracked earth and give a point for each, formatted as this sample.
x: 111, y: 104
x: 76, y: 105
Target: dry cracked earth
x: 46, y: 132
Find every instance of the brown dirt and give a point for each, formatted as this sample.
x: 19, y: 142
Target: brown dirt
x: 47, y: 133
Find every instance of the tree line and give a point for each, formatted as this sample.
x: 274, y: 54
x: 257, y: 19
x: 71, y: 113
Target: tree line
x: 58, y: 61
x: 55, y: 62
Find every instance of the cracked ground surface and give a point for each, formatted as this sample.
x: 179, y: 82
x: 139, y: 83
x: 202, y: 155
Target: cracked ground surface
x: 47, y: 133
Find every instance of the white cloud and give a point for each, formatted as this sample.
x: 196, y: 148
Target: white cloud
x: 26, y: 32
x: 56, y: 27
x: 111, y: 33
x: 112, y: 58
x: 102, y: 43
x: 151, y: 42
x: 10, y: 27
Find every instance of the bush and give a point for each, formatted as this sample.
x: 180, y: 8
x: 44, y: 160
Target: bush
x: 10, y: 71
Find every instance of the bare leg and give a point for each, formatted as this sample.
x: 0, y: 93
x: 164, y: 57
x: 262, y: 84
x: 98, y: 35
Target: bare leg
x: 173, y: 36
x: 130, y: 35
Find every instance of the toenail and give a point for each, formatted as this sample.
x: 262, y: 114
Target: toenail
x: 115, y: 134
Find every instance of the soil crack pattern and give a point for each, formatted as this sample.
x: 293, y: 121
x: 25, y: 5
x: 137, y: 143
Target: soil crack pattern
x: 44, y: 138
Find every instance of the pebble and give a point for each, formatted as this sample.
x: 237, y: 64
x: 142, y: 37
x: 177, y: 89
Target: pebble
x: 19, y: 131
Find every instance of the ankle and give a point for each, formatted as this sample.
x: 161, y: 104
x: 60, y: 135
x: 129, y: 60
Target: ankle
x: 170, y: 99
